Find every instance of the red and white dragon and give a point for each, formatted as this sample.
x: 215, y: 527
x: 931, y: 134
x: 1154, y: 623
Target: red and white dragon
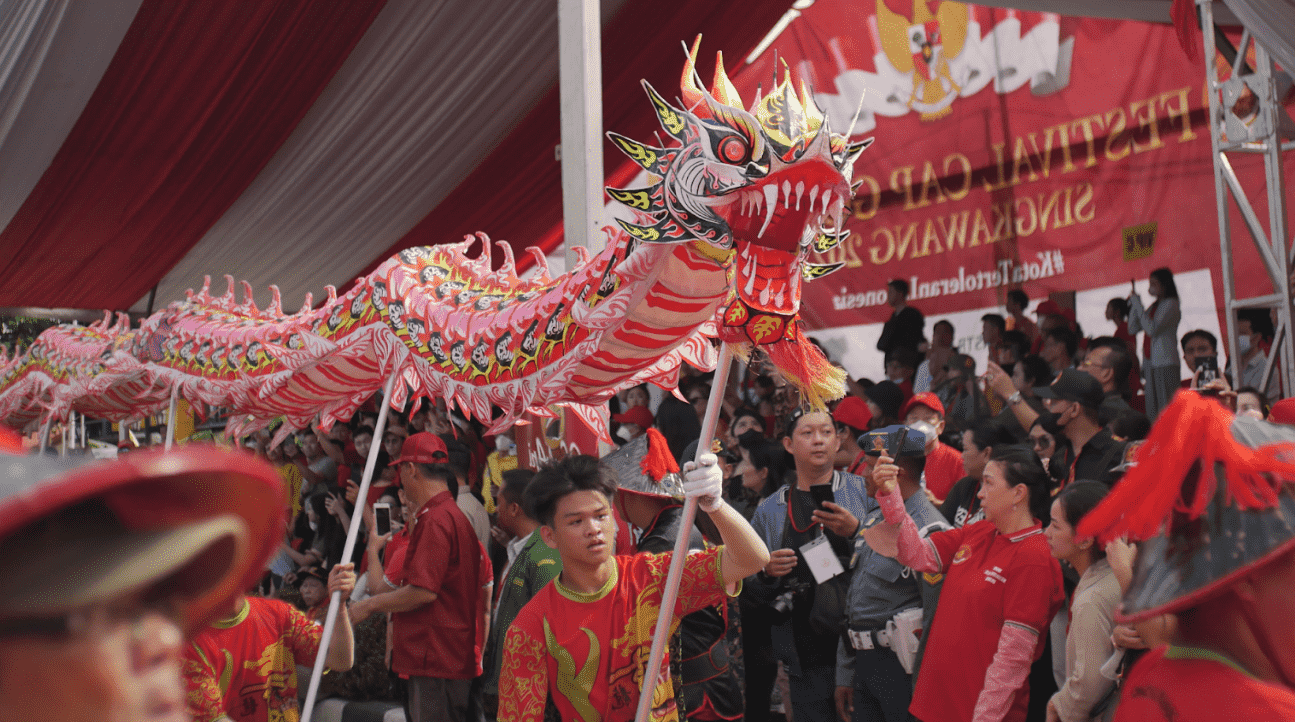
x: 734, y: 206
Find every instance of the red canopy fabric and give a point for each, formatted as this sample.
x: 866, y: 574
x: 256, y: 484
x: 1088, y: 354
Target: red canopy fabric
x: 197, y: 99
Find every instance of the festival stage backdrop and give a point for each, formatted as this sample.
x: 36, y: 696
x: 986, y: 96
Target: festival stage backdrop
x: 1013, y: 149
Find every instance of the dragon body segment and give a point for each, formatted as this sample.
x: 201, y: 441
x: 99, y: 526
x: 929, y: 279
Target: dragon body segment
x: 717, y: 250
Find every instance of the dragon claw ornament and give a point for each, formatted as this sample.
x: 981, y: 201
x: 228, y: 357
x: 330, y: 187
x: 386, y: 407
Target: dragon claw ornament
x: 717, y: 249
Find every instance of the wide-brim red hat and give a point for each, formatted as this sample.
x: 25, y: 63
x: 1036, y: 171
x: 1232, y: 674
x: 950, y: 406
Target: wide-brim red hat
x: 202, y: 519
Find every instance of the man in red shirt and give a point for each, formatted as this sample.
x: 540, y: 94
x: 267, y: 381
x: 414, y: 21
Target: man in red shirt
x: 441, y: 613
x: 582, y: 643
x: 943, y: 462
x: 1221, y: 556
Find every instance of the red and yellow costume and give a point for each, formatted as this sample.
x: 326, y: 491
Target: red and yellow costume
x: 246, y: 667
x: 587, y: 652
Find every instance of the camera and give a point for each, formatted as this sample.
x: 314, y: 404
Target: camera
x: 783, y: 604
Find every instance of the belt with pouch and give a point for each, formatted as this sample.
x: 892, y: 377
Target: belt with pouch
x: 864, y: 639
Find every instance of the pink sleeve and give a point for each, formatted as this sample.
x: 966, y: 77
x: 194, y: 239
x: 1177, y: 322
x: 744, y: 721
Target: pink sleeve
x: 1006, y: 674
x: 914, y: 551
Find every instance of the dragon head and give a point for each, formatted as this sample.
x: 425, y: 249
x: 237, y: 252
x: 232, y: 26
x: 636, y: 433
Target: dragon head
x: 767, y: 183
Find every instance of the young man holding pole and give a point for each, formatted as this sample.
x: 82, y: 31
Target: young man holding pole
x: 582, y: 643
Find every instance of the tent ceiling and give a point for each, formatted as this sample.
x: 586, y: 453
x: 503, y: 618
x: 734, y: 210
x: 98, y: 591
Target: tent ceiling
x: 386, y: 123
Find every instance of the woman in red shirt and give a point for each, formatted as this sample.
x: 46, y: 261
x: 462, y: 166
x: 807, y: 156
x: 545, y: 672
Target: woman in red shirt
x: 1001, y: 589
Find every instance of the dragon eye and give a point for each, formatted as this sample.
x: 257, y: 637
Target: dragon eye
x: 733, y: 150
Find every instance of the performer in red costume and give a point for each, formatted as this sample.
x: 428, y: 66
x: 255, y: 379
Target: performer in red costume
x: 582, y: 643
x: 1213, y: 496
x: 244, y: 667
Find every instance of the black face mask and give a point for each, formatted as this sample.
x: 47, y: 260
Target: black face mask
x: 1049, y: 421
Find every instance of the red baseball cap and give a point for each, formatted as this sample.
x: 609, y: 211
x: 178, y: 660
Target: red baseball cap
x: 1283, y: 412
x: 927, y: 399
x: 853, y: 411
x: 640, y: 415
x: 423, y: 448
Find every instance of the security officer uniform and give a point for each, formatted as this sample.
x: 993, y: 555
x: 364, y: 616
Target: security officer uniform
x: 881, y: 588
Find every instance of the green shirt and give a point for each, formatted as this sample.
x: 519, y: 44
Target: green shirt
x: 535, y: 566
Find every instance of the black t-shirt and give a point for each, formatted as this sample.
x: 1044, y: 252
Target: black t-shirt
x: 962, y: 507
x: 1101, y: 454
x: 812, y: 649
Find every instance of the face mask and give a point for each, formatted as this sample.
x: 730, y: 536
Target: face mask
x: 896, y: 379
x: 1243, y: 344
x: 1049, y: 421
x: 624, y: 433
x: 504, y: 445
x: 314, y: 526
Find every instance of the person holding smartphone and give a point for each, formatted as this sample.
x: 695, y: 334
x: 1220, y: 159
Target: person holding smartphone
x: 800, y: 518
x: 872, y: 684
x: 1001, y: 589
x: 1160, y: 323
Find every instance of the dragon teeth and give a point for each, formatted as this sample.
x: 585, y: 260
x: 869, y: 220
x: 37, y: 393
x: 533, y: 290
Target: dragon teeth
x: 756, y: 202
x: 800, y: 191
x: 786, y: 194
x: 827, y: 199
x: 813, y: 193
x: 771, y: 202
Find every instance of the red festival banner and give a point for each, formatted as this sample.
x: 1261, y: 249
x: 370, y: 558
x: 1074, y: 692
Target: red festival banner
x: 1013, y: 150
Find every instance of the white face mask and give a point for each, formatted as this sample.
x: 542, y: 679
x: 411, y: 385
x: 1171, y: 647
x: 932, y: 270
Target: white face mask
x: 504, y: 445
x: 314, y: 526
x: 1243, y: 344
x: 899, y: 379
x: 624, y: 433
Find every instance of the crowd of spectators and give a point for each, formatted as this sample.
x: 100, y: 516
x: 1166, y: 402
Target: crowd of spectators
x: 1019, y: 449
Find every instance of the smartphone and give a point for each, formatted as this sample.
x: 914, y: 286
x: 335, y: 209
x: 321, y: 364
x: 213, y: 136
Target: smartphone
x: 382, y: 518
x: 1209, y: 368
x: 822, y: 493
x: 895, y: 442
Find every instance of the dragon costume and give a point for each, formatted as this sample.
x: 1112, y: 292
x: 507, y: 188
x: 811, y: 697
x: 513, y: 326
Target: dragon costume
x: 736, y: 201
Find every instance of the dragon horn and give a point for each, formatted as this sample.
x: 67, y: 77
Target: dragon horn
x: 813, y: 114
x: 692, y: 94
x: 204, y: 296
x: 721, y: 88
x: 308, y: 304
x: 332, y: 294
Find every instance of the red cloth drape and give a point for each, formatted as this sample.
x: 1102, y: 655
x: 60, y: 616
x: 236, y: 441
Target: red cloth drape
x: 196, y: 100
x: 521, y: 182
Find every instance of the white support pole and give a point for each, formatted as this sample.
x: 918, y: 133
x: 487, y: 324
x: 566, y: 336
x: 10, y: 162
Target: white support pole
x: 330, y: 619
x: 170, y: 418
x: 84, y: 444
x: 44, y: 436
x: 580, y: 83
x: 62, y: 451
x: 671, y: 591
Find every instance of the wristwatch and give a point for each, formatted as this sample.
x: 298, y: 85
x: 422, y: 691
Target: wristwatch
x: 1015, y: 398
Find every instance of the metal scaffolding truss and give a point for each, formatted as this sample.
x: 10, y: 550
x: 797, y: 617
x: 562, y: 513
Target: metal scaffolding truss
x: 1257, y: 125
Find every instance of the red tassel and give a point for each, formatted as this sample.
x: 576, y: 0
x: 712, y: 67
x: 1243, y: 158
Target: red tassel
x: 658, y: 462
x: 1191, y: 430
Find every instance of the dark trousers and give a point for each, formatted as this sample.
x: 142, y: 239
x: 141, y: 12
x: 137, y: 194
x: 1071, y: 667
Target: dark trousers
x: 813, y: 694
x: 882, y: 689
x: 438, y: 700
x: 758, y: 660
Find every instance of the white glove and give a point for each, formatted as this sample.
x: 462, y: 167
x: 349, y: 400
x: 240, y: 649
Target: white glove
x: 704, y: 483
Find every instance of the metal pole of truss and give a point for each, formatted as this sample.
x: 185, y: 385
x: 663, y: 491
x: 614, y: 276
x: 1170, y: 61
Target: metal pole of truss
x: 1262, y: 135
